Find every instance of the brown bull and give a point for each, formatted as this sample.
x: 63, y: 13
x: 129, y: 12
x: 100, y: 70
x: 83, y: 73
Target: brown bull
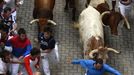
x: 71, y: 4
x: 111, y: 18
x: 43, y: 12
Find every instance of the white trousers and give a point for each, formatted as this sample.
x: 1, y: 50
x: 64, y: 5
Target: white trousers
x: 124, y: 8
x: 14, y: 16
x: 53, y: 56
x: 15, y: 67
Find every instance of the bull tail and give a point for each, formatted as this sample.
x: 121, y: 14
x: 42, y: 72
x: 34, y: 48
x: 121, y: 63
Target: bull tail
x: 106, y: 12
x: 127, y: 23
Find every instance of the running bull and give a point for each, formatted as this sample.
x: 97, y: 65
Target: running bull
x: 43, y: 13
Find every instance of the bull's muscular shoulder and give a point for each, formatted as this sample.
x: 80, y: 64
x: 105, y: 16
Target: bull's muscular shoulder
x: 43, y: 8
x: 46, y: 4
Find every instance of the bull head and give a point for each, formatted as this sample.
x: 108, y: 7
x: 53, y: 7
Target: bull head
x: 42, y: 22
x: 102, y: 52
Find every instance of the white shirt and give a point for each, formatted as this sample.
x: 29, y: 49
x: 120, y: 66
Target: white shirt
x: 3, y: 67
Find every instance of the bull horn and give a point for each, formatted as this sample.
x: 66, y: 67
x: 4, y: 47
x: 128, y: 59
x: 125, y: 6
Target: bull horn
x: 106, y: 12
x: 127, y: 23
x: 51, y: 21
x: 113, y: 50
x: 34, y: 21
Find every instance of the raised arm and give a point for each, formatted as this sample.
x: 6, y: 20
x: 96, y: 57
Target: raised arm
x: 111, y: 70
x: 84, y: 63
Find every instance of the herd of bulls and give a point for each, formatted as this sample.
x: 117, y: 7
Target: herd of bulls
x: 90, y: 23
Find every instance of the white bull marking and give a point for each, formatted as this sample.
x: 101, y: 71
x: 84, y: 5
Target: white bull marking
x: 90, y: 25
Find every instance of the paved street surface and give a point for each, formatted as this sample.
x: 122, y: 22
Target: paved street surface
x: 68, y: 40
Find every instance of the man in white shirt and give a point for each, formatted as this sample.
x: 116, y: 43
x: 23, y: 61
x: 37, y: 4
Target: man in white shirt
x: 4, y: 60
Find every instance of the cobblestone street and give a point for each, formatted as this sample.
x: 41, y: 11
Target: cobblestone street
x: 68, y: 40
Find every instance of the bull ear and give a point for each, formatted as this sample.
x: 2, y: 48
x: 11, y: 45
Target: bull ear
x: 35, y: 20
x: 51, y: 21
